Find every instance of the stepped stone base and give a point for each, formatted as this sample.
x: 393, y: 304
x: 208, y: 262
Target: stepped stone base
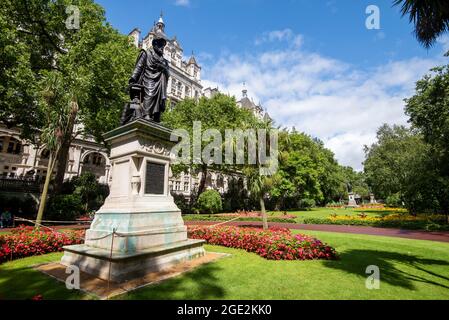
x: 128, y: 266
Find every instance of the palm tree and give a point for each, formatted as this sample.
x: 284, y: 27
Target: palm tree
x: 431, y: 18
x: 258, y: 186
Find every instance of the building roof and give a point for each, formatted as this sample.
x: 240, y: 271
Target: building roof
x: 192, y: 60
x: 247, y: 103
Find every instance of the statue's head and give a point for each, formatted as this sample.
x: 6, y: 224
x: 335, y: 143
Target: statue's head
x: 159, y: 45
x: 159, y: 42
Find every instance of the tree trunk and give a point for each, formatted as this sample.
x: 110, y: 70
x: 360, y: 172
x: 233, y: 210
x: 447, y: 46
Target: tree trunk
x: 264, y: 213
x: 61, y: 167
x: 42, y: 203
x: 63, y: 155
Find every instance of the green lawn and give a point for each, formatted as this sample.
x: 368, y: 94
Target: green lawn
x: 326, y: 212
x: 410, y: 269
x: 19, y: 281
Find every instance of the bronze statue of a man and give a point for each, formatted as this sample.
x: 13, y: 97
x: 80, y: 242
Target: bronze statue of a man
x: 148, y: 83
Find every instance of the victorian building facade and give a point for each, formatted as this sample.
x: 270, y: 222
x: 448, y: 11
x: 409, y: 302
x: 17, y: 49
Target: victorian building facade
x: 20, y: 159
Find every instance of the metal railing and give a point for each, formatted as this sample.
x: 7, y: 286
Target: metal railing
x: 21, y: 185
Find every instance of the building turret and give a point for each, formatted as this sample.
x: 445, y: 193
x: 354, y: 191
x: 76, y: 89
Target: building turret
x: 160, y: 25
x: 193, y: 68
x: 135, y: 37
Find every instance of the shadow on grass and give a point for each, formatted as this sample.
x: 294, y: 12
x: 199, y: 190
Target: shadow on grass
x: 25, y: 283
x: 199, y: 284
x: 356, y: 262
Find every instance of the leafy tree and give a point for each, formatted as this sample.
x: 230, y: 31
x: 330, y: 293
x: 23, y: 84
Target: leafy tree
x: 235, y: 197
x: 17, y: 79
x: 77, y: 76
x: 221, y: 113
x: 89, y: 190
x: 333, y: 180
x: 300, y: 168
x: 92, y: 64
x: 398, y: 167
x: 308, y: 173
x: 429, y: 114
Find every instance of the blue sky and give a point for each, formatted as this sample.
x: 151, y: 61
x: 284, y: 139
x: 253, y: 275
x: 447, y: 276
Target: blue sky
x: 313, y: 64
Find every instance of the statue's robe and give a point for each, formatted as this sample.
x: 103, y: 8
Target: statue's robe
x: 152, y: 72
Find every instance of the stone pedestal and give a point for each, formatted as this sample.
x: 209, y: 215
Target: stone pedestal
x: 352, y: 203
x: 151, y: 233
x: 372, y: 199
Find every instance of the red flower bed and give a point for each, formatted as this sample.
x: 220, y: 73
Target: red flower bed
x: 273, y: 244
x: 26, y: 242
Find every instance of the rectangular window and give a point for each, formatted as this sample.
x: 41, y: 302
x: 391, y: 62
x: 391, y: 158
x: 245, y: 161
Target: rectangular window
x: 10, y: 147
x: 18, y: 148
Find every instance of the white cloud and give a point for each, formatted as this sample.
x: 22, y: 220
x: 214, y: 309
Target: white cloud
x: 327, y: 98
x: 286, y: 35
x: 183, y: 3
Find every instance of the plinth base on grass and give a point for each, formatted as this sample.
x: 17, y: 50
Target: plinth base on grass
x: 102, y: 289
x: 122, y: 267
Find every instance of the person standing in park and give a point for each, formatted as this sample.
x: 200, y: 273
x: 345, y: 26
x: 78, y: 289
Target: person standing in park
x: 5, y: 218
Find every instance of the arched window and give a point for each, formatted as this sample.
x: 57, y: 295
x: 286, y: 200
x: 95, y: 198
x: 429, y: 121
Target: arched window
x: 95, y: 163
x: 95, y: 159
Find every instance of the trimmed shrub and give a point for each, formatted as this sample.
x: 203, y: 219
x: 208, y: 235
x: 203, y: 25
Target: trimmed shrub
x: 90, y: 192
x: 306, y: 204
x: 209, y: 202
x: 394, y: 201
x: 214, y: 218
x: 430, y: 223
x: 66, y: 207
